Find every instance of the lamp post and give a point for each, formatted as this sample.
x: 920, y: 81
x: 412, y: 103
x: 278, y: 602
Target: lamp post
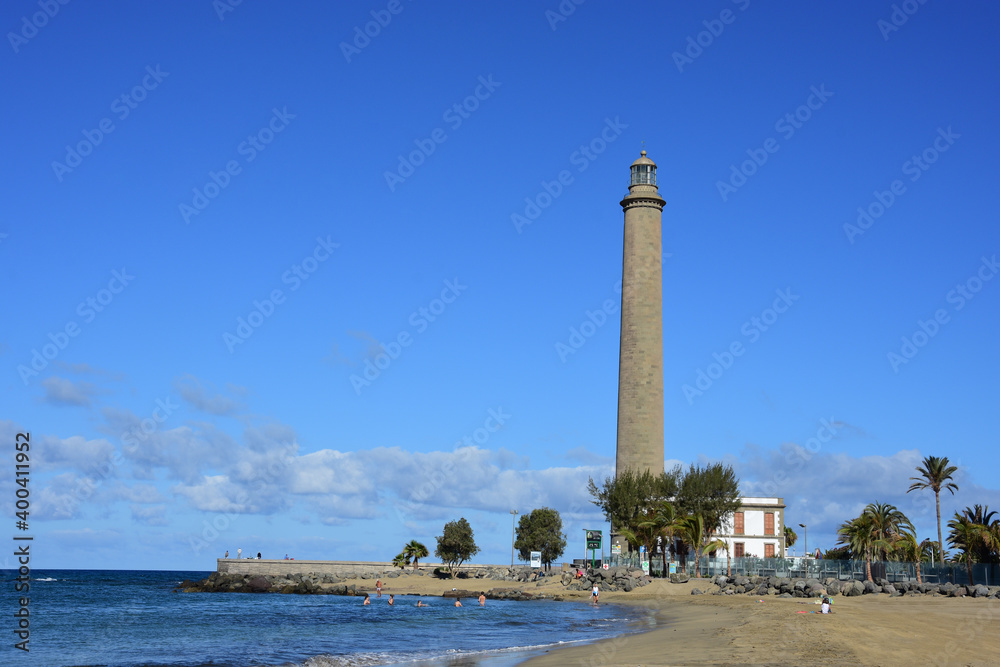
x: 513, y: 514
x: 805, y: 539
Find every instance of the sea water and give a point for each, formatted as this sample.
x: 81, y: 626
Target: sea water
x: 121, y: 619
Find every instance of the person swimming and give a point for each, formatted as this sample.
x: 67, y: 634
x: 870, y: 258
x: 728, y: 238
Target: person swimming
x: 367, y: 601
x: 458, y: 603
x: 391, y: 599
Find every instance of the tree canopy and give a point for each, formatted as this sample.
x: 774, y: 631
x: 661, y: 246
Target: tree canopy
x: 457, y: 545
x: 629, y: 497
x: 540, y: 530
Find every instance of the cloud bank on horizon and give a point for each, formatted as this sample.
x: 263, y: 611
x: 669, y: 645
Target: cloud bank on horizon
x: 316, y: 279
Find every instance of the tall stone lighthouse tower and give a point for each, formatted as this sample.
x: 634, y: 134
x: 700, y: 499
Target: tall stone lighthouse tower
x: 640, y: 367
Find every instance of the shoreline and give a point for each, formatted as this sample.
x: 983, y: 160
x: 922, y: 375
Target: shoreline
x: 688, y: 629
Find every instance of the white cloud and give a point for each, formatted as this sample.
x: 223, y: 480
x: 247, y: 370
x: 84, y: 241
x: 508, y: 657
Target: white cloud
x: 60, y: 391
x: 191, y: 390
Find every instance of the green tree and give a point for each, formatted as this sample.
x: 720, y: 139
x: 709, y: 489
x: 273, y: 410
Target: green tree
x: 691, y: 529
x: 859, y: 535
x: 414, y: 551
x: 791, y: 537
x: 457, y: 545
x: 909, y: 549
x: 889, y: 523
x: 630, y: 497
x: 712, y: 492
x: 935, y: 474
x: 972, y: 533
x: 541, y: 530
x: 401, y: 560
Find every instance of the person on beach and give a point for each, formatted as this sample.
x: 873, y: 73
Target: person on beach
x: 367, y: 601
x: 595, y: 594
x: 227, y: 553
x: 378, y: 588
x: 391, y: 601
x: 482, y: 599
x: 458, y: 602
x: 825, y: 607
x: 258, y: 555
x: 239, y: 553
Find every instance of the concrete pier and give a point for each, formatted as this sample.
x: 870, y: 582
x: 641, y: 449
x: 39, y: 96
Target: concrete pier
x: 339, y: 568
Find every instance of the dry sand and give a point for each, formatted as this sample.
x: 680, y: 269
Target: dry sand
x: 738, y: 629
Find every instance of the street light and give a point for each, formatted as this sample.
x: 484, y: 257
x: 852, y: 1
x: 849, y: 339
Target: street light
x: 513, y: 513
x: 805, y: 540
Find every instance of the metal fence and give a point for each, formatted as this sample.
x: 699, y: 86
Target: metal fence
x: 811, y: 568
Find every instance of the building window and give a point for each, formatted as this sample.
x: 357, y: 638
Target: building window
x: 738, y: 549
x: 769, y: 550
x: 738, y: 523
x: 769, y: 523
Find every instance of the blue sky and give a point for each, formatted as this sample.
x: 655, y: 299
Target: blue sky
x: 280, y: 201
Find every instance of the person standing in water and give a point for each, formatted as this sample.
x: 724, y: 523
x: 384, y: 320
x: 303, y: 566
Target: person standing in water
x: 595, y: 594
x: 391, y: 602
x: 367, y: 601
x: 482, y: 599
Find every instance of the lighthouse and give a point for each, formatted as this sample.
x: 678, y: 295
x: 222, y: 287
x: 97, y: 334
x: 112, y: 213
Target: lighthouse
x: 640, y: 367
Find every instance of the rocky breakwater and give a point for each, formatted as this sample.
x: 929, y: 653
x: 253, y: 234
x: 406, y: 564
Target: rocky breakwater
x: 785, y: 587
x: 613, y: 579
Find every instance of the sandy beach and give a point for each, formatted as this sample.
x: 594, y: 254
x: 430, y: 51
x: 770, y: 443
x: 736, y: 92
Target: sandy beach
x: 739, y: 629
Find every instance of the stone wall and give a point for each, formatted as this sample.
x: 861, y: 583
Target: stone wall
x: 333, y: 567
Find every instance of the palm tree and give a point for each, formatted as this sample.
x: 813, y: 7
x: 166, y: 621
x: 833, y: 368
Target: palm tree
x: 972, y: 533
x: 790, y: 537
x: 665, y: 519
x: 415, y: 551
x: 889, y: 523
x: 401, y: 560
x: 691, y: 529
x: 908, y: 548
x: 859, y: 535
x: 935, y: 474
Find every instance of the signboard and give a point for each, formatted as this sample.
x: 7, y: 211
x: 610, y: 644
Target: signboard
x: 645, y: 566
x: 616, y: 550
x: 593, y: 539
x: 642, y: 548
x: 605, y: 566
x: 536, y: 559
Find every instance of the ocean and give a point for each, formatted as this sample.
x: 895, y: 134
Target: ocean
x: 84, y: 618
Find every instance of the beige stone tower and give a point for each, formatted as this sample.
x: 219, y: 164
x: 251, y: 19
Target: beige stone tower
x: 640, y: 367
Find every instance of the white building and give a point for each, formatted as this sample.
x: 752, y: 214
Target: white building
x: 756, y: 529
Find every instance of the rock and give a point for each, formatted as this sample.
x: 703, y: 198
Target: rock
x: 889, y: 588
x: 870, y: 587
x: 259, y: 585
x: 980, y: 591
x: 958, y: 592
x: 679, y: 578
x: 832, y: 587
x: 697, y: 591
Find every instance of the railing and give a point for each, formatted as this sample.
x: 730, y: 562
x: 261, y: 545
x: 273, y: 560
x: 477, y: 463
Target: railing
x: 810, y: 568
